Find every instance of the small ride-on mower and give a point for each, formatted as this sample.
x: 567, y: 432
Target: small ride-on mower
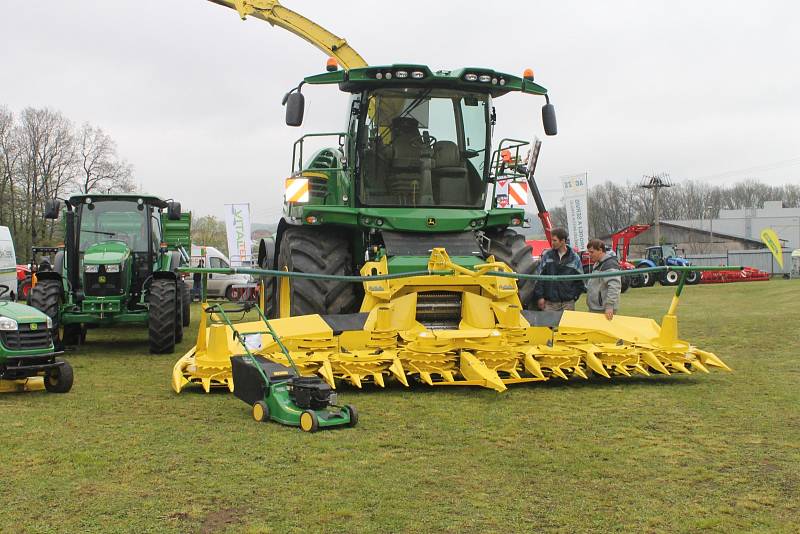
x: 276, y: 391
x: 27, y: 356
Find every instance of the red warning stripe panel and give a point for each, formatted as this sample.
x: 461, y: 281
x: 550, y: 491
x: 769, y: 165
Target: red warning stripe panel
x: 518, y: 193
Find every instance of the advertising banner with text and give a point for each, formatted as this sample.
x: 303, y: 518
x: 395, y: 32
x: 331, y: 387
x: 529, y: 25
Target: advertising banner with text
x: 576, y: 200
x: 237, y: 227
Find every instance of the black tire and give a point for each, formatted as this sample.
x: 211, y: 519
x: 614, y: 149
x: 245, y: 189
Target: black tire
x: 625, y: 284
x: 186, y: 302
x: 266, y: 260
x: 693, y: 277
x: 309, y: 421
x: 636, y: 280
x: 46, y: 296
x: 73, y: 334
x: 648, y: 279
x: 671, y: 278
x: 179, y: 311
x: 321, y: 251
x: 164, y: 316
x: 59, y: 379
x: 353, y: 413
x: 509, y: 247
x: 231, y: 294
x: 261, y: 411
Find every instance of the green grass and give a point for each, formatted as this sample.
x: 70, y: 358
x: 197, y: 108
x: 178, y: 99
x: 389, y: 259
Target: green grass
x: 717, y: 453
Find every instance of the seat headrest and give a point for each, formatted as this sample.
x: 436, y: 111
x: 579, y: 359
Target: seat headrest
x: 405, y: 124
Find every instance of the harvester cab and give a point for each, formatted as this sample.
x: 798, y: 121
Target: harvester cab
x: 118, y: 266
x: 413, y: 170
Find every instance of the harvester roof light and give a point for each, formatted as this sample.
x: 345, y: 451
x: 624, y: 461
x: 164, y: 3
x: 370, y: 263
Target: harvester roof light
x: 471, y: 77
x: 528, y: 74
x: 502, y: 81
x: 379, y: 75
x: 88, y: 200
x: 417, y: 74
x: 401, y: 74
x: 485, y: 78
x: 388, y: 75
x: 331, y: 65
x: 494, y: 81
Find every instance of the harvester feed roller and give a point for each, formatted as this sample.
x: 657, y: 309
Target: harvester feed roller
x: 493, y: 342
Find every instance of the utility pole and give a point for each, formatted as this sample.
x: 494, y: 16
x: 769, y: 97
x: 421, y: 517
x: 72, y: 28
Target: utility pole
x: 656, y: 182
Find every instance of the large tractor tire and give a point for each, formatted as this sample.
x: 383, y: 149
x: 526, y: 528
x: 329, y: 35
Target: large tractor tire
x: 320, y: 251
x: 46, y: 297
x: 164, y: 318
x: 509, y: 247
x: 648, y: 279
x: 266, y: 260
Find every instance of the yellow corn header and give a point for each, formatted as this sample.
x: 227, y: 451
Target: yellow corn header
x: 493, y: 343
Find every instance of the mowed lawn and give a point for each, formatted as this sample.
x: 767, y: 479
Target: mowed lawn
x: 718, y: 452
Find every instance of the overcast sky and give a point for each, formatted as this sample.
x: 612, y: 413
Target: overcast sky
x: 191, y: 94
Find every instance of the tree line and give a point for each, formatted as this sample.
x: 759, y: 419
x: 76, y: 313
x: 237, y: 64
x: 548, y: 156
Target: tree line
x: 44, y: 155
x: 614, y: 206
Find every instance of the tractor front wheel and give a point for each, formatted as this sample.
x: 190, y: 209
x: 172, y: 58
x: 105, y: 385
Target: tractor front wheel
x: 319, y: 251
x: 671, y: 278
x: 509, y: 247
x: 59, y: 379
x: 164, y: 319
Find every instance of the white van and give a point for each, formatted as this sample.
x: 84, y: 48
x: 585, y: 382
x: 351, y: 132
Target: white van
x: 8, y: 264
x: 219, y: 285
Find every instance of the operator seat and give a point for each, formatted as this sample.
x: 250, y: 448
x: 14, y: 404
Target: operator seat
x: 449, y: 174
x: 406, y: 143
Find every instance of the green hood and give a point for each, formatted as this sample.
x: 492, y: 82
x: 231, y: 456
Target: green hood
x: 106, y: 253
x: 21, y: 313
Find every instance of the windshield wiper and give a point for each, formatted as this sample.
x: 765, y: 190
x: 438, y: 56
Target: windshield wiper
x: 109, y: 234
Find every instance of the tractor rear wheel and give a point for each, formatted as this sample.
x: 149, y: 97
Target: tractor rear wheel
x: 693, y: 277
x: 320, y: 251
x: 509, y: 247
x: 164, y: 315
x: 46, y: 297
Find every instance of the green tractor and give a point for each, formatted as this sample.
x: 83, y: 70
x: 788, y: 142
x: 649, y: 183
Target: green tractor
x: 118, y: 266
x: 413, y: 170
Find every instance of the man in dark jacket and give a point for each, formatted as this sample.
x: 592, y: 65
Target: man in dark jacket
x: 559, y: 260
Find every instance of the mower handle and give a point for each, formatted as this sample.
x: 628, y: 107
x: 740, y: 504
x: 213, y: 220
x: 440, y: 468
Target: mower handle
x: 215, y: 308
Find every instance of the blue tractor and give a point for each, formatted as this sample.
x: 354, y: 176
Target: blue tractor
x: 665, y: 255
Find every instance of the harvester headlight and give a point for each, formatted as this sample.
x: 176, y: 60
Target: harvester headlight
x: 112, y: 268
x: 401, y: 74
x: 516, y: 221
x: 311, y: 219
x: 471, y: 77
x: 49, y: 323
x: 417, y: 74
x: 91, y: 268
x: 485, y: 78
x: 379, y: 222
x: 365, y: 220
x: 8, y: 324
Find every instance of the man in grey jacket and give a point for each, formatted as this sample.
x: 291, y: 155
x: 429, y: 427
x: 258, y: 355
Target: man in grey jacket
x: 602, y: 294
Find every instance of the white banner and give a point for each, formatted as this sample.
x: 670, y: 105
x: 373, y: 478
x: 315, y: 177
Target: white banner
x: 237, y: 226
x: 576, y: 200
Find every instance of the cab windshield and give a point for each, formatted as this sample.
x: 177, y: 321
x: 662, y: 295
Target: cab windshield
x: 424, y: 147
x: 115, y: 220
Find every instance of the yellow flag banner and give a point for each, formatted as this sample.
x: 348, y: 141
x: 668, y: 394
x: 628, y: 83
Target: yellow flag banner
x: 770, y: 238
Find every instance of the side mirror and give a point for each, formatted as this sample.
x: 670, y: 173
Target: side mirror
x: 174, y: 211
x: 295, y: 106
x: 549, y: 119
x: 51, y: 208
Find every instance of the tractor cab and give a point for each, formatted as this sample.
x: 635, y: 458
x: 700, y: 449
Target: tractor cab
x: 664, y: 255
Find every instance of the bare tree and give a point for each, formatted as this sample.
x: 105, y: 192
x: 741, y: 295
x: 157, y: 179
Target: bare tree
x: 101, y: 168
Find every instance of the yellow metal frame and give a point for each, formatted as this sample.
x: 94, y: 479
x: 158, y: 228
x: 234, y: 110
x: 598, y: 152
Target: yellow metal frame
x: 493, y: 346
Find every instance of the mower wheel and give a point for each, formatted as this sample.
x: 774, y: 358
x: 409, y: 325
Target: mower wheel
x: 261, y: 412
x: 59, y: 379
x: 353, y: 413
x: 164, y: 319
x: 309, y: 421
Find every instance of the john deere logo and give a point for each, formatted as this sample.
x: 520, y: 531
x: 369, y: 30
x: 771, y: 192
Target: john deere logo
x: 34, y: 326
x: 431, y: 221
x: 101, y: 279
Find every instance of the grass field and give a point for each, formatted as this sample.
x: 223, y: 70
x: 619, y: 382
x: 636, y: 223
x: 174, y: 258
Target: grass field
x: 718, y: 452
